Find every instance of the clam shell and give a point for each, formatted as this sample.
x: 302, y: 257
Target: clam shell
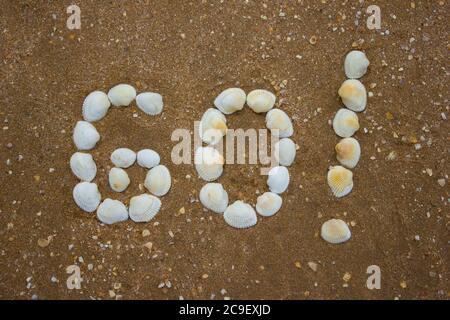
x: 345, y: 123
x: 86, y: 196
x: 340, y: 181
x: 285, y: 151
x: 348, y: 152
x: 112, y: 211
x: 123, y: 157
x: 83, y: 166
x: 240, y: 215
x: 95, y: 106
x: 150, y: 102
x: 148, y: 158
x: 268, y: 204
x: 118, y: 179
x: 214, y: 197
x: 208, y: 163
x: 85, y: 135
x: 213, y: 126
x: 144, y: 207
x: 158, y: 180
x: 353, y: 95
x: 278, y: 179
x: 278, y: 119
x: 230, y: 100
x: 261, y: 100
x: 335, y: 231
x: 355, y: 64
x: 121, y: 95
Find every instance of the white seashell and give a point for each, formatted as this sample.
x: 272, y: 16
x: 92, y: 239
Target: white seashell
x: 230, y: 100
x: 208, y: 163
x: 278, y: 119
x: 348, y: 152
x: 240, y: 215
x: 335, y: 231
x: 86, y: 196
x: 278, y: 179
x: 340, y: 181
x: 158, y: 180
x: 144, y: 207
x: 148, y: 158
x: 285, y: 151
x: 214, y: 197
x: 112, y: 211
x: 83, y: 166
x: 353, y: 95
x: 345, y: 123
x: 268, y: 204
x: 85, y: 135
x: 213, y: 126
x: 356, y: 64
x: 118, y: 179
x: 123, y: 157
x: 121, y: 95
x: 150, y: 102
x: 261, y: 100
x: 95, y: 106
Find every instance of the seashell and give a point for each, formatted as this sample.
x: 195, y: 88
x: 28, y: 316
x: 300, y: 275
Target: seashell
x: 335, y: 231
x: 348, y: 152
x: 356, y: 64
x: 83, y: 166
x: 158, y: 180
x: 240, y: 215
x: 353, y: 95
x: 86, y: 196
x: 148, y: 158
x: 278, y: 119
x: 208, y: 163
x: 95, y: 106
x: 214, y: 197
x: 285, y: 151
x: 340, y: 181
x: 230, y: 100
x: 123, y: 157
x: 213, y: 126
x: 118, y: 179
x: 150, y: 102
x: 85, y: 135
x: 278, y: 179
x: 261, y: 100
x: 345, y: 123
x: 143, y: 207
x: 268, y: 204
x: 112, y: 211
x: 121, y: 95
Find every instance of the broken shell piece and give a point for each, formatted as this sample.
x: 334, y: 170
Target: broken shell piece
x: 261, y: 100
x: 340, y: 181
x: 335, y: 231
x: 345, y: 123
x: 213, y: 126
x: 144, y: 207
x: 356, y: 64
x: 230, y: 100
x: 83, y: 166
x: 121, y: 95
x: 214, y: 197
x: 208, y: 163
x: 148, y: 158
x: 240, y: 215
x: 278, y: 179
x: 268, y: 204
x: 123, y: 157
x: 85, y: 135
x: 285, y: 151
x: 278, y: 119
x: 150, y: 102
x: 86, y: 196
x: 118, y: 179
x: 158, y: 180
x: 112, y: 211
x: 353, y: 95
x: 95, y: 106
x: 348, y: 152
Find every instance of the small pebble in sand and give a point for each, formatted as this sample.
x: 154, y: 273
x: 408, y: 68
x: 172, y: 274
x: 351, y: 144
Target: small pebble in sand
x: 145, y: 233
x: 312, y: 266
x: 43, y: 242
x: 441, y: 182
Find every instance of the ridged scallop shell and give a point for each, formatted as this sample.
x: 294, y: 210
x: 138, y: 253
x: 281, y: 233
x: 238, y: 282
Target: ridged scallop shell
x: 86, y: 196
x: 85, y: 136
x: 285, y: 151
x: 240, y: 215
x: 278, y: 119
x: 348, y: 152
x: 148, y: 158
x: 356, y: 64
x: 214, y: 197
x: 158, y: 180
x: 335, y: 231
x: 95, y: 106
x: 260, y: 100
x: 83, y: 166
x: 118, y: 179
x: 345, y: 123
x: 268, y: 204
x: 150, y: 102
x: 208, y: 163
x: 213, y: 126
x: 230, y: 100
x: 121, y: 95
x: 278, y: 179
x: 123, y: 157
x: 353, y: 95
x: 112, y: 211
x: 340, y: 181
x: 144, y: 207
